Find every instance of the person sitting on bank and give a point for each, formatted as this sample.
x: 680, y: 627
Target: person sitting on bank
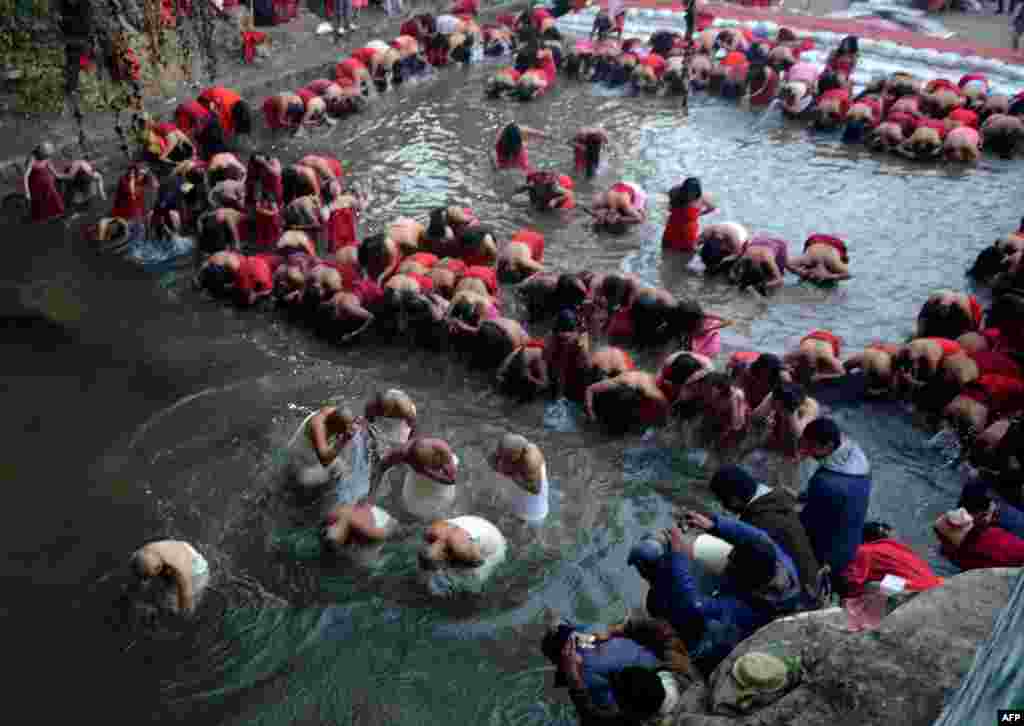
x: 837, y: 495
x: 772, y: 510
x: 970, y: 538
x: 635, y: 671
x: 882, y: 554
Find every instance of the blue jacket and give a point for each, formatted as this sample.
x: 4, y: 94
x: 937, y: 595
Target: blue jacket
x: 836, y: 506
x: 610, y: 657
x: 730, y: 615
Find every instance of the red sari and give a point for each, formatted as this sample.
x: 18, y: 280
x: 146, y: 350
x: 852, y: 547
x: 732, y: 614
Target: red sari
x: 129, y: 203
x: 47, y: 201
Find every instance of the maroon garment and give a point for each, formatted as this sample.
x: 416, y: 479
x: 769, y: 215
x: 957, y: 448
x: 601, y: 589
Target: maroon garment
x: 987, y: 547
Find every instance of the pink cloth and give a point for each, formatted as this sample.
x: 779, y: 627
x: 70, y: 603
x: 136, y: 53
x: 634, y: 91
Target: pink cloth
x: 708, y: 342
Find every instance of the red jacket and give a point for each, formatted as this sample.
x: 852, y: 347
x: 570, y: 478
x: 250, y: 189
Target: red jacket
x: 874, y: 560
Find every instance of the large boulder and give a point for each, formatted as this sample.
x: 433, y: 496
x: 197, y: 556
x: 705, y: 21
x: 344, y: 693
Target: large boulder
x: 896, y: 675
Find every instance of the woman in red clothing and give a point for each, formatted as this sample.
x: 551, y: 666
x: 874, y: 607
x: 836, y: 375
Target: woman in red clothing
x: 825, y: 259
x: 881, y: 555
x: 630, y: 398
x: 130, y: 197
x: 688, y: 204
x: 970, y: 539
x: 567, y: 355
x: 510, y: 146
x: 247, y: 279
x: 41, y: 185
x: 587, y: 144
x: 234, y: 113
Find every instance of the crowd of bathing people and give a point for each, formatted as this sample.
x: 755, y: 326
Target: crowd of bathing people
x: 287, y: 235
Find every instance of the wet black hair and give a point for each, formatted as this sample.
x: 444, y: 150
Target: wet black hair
x: 615, y: 408
x: 241, y: 117
x: 1007, y: 310
x: 849, y: 45
x: 567, y: 294
x: 212, y: 138
x: 828, y: 81
x: 746, y: 272
x: 686, y: 193
x: 573, y: 62
x: 685, y: 320
x: 768, y: 365
x: 526, y: 58
x: 472, y: 238
x: 638, y: 690
x: 437, y: 226
x: 874, y: 531
x: 566, y: 321
x: 650, y: 320
x: 752, y: 564
x: 615, y: 290
x: 682, y: 367
x: 490, y: 346
x: 937, y: 320
x: 216, y: 279
x: 372, y: 250
x: 823, y: 431
x: 662, y: 42
x: 511, y: 140
x: 551, y: 33
x: 713, y: 254
x: 789, y: 395
x: 213, y: 236
x: 989, y: 263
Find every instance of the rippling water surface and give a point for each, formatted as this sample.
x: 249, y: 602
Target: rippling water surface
x: 140, y: 410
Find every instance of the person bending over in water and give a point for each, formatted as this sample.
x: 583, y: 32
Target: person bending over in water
x: 817, y: 358
x: 524, y: 373
x: 521, y: 257
x: 629, y: 398
x: 917, y: 363
x: 720, y: 243
x: 762, y: 264
x: 949, y: 314
x: 587, y: 144
x: 878, y: 363
x: 825, y: 259
x: 394, y: 404
x: 510, y: 146
x: 624, y: 202
x: 679, y: 377
x: 353, y: 524
x: 330, y: 430
x: 431, y: 458
x: 181, y: 570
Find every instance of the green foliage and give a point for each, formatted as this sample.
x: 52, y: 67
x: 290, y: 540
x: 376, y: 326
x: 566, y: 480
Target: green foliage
x: 41, y: 88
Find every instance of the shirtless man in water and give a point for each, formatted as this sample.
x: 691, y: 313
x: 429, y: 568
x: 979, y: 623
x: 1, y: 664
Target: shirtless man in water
x: 432, y: 458
x: 330, y: 430
x: 178, y: 566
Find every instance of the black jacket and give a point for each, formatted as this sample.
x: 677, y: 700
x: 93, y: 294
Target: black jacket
x: 775, y: 513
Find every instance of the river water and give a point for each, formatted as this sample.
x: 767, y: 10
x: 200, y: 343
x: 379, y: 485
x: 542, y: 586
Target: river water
x: 137, y: 409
